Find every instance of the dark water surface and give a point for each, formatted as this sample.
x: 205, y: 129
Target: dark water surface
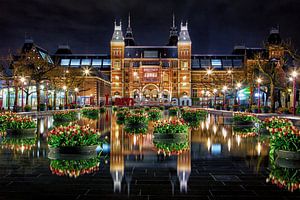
x: 219, y: 165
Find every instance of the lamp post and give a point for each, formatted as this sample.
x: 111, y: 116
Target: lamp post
x: 224, y: 90
x: 294, y: 76
x: 215, y: 97
x: 258, y: 88
x: 238, y: 86
x: 65, y: 89
x: 76, y: 91
x: 22, y: 81
x: 86, y: 72
x: 230, y: 73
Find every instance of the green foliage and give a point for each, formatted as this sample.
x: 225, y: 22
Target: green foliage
x: 27, y: 108
x: 138, y: 111
x: 284, y: 178
x: 115, y: 108
x: 121, y: 115
x: 154, y: 114
x: 193, y: 117
x: 172, y: 127
x: 90, y: 113
x: 242, y: 117
x: 167, y: 147
x: 173, y: 111
x: 65, y: 116
x: 136, y: 123
x: 102, y: 109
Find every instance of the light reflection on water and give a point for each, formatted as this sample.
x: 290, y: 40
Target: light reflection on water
x: 214, y: 138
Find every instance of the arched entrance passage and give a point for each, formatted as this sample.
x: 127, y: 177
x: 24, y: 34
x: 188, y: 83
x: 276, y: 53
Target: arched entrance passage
x: 136, y: 94
x: 150, y: 91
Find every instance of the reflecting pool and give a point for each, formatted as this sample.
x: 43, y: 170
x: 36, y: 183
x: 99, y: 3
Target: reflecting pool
x: 218, y: 164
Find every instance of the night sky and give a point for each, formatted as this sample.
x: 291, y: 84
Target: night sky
x: 215, y: 26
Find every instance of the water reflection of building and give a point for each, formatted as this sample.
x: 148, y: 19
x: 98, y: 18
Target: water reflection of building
x: 116, y: 155
x: 133, y: 152
x: 184, y: 169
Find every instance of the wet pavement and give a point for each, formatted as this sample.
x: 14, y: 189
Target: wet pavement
x: 219, y: 165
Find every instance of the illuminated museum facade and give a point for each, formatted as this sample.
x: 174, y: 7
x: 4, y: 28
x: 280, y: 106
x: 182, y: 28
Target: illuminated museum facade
x: 159, y: 72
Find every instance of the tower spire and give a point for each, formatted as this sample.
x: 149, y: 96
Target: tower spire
x: 129, y: 20
x: 173, y: 20
x: 173, y: 38
x: 129, y: 40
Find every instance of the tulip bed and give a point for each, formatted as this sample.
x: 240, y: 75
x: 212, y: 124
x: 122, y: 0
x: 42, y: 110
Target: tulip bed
x: 284, y: 178
x: 18, y: 144
x: 73, y: 136
x: 90, y: 113
x: 171, y: 137
x: 136, y: 123
x: 284, y: 136
x: 154, y: 114
x: 65, y: 116
x: 193, y: 117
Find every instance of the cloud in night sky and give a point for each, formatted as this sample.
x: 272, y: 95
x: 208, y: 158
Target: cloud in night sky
x: 86, y: 25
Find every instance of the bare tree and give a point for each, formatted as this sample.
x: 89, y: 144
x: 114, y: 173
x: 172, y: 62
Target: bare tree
x: 273, y: 69
x: 31, y: 64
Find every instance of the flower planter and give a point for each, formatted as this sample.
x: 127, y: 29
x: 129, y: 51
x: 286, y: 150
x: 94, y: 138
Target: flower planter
x: 170, y: 136
x: 24, y: 133
x: 76, y: 153
x: 286, y: 163
x: 243, y: 123
x: 290, y: 155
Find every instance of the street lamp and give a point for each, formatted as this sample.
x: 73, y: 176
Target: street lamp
x: 238, y: 86
x: 76, y: 91
x: 258, y: 88
x: 22, y: 79
x: 65, y: 89
x: 86, y: 72
x: 294, y: 76
x: 224, y: 90
x: 209, y: 71
x: 215, y: 93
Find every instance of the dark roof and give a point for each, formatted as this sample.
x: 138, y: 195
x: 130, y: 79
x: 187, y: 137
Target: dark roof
x: 151, y: 52
x: 63, y: 49
x: 249, y: 52
x: 274, y: 37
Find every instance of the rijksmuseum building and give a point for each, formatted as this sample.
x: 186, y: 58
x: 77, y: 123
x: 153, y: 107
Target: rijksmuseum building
x: 155, y: 72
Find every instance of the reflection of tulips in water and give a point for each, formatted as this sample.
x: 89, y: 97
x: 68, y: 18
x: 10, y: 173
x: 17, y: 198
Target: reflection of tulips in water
x: 74, y: 168
x: 171, y: 147
x: 245, y: 132
x: 18, y: 144
x: 90, y: 113
x: 284, y: 178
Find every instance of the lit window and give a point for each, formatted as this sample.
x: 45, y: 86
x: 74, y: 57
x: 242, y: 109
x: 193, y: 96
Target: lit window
x: 75, y: 62
x: 86, y: 62
x: 97, y: 62
x: 237, y: 63
x: 64, y: 62
x: 227, y: 63
x: 117, y: 65
x: 117, y: 78
x: 106, y: 62
x: 216, y: 62
x: 195, y: 63
x: 205, y: 63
